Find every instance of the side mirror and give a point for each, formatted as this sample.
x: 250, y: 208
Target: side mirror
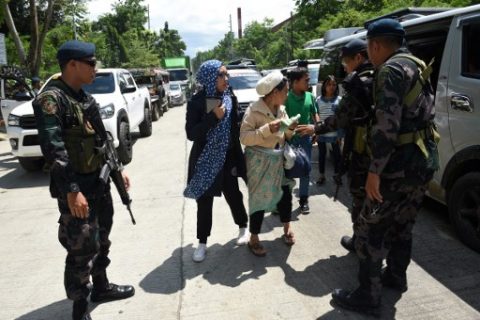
x: 128, y: 89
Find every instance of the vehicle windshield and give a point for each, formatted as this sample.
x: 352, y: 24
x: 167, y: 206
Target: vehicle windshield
x: 174, y: 86
x: 240, y: 81
x: 103, y: 83
x: 313, y: 71
x: 143, y: 80
x: 178, y: 75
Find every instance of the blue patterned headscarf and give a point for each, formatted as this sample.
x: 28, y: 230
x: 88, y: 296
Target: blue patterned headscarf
x: 212, y: 158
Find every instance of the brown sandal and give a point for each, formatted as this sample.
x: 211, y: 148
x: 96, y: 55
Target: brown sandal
x: 257, y: 249
x: 289, y: 238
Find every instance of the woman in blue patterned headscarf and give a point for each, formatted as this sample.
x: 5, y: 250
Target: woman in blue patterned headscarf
x: 216, y: 159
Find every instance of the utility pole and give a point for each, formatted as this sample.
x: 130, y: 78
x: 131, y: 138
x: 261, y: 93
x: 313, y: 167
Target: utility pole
x: 74, y: 21
x: 148, y: 15
x: 291, y: 35
x: 230, y: 38
x: 239, y: 18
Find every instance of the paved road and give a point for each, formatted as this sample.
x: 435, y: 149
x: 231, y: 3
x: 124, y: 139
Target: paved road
x: 155, y: 255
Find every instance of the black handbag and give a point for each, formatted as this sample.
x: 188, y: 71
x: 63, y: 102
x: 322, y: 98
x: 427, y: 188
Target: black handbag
x: 302, y: 165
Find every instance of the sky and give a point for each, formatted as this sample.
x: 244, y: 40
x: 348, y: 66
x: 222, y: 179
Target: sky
x: 202, y: 24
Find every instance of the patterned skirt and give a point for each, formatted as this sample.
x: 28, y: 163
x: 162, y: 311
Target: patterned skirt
x: 265, y: 176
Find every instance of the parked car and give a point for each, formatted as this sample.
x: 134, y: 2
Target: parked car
x: 123, y: 107
x: 153, y: 80
x: 451, y: 38
x: 177, y: 94
x: 243, y: 80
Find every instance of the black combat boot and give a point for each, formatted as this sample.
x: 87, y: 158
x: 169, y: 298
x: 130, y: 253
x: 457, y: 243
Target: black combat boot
x: 348, y: 243
x: 304, y: 208
x: 104, y: 291
x: 394, y: 282
x: 80, y: 310
x: 358, y: 300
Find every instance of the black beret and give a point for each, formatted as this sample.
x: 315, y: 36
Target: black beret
x: 385, y: 27
x: 75, y: 49
x: 353, y: 47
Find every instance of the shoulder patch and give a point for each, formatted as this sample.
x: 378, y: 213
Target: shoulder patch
x: 48, y: 102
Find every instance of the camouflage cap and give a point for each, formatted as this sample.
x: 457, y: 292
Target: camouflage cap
x: 385, y: 27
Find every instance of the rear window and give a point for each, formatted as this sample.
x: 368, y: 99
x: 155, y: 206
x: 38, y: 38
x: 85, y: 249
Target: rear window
x: 178, y: 75
x: 103, y: 83
x: 246, y: 80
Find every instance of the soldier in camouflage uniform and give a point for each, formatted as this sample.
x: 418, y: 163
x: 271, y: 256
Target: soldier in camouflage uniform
x: 69, y: 145
x: 402, y: 144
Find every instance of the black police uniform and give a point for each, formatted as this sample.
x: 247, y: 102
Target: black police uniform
x: 69, y: 143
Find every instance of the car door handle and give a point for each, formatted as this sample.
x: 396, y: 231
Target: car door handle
x: 461, y: 102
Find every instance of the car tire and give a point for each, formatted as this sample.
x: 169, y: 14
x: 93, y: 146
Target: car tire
x: 146, y: 125
x: 167, y: 106
x: 156, y: 111
x: 31, y: 164
x: 124, y: 150
x: 463, y: 209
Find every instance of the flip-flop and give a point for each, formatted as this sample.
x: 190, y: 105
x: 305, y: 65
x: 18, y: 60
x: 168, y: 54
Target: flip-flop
x: 289, y: 239
x: 257, y: 249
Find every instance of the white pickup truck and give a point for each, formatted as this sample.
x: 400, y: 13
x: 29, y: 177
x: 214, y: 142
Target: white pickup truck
x: 123, y: 107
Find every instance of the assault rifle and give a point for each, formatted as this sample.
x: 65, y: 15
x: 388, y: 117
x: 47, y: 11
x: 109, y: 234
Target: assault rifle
x: 112, y: 167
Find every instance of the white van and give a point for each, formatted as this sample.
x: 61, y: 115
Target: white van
x: 451, y: 37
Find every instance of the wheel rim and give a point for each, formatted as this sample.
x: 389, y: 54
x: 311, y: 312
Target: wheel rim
x: 469, y: 207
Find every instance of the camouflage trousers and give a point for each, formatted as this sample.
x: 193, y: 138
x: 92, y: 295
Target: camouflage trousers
x: 357, y: 176
x: 385, y: 231
x: 357, y: 190
x: 87, y: 244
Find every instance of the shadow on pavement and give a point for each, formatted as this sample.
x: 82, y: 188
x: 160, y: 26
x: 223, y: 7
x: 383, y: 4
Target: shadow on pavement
x: 228, y: 265
x: 60, y: 310
x: 20, y: 178
x: 437, y: 249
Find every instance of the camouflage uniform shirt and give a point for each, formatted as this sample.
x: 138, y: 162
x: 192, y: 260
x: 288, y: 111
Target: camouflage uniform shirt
x: 393, y: 80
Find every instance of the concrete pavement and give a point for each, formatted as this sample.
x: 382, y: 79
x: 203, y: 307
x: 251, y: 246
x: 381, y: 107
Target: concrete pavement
x: 155, y: 255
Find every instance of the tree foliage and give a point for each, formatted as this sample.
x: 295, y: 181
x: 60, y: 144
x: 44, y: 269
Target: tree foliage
x: 312, y: 19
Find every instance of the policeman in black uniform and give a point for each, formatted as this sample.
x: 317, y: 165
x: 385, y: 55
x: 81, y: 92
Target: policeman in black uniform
x: 72, y: 149
x: 353, y: 115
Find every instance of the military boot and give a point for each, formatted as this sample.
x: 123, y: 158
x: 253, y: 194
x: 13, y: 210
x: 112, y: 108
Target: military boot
x: 104, y: 291
x: 348, y: 243
x: 394, y: 282
x: 358, y: 300
x: 80, y: 310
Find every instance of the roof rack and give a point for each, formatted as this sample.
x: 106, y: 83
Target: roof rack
x: 407, y: 14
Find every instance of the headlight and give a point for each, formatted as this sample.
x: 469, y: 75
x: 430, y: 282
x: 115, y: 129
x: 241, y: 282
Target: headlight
x: 13, y: 120
x: 107, y: 111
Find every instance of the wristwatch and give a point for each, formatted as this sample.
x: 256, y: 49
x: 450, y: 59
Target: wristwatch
x: 74, y: 187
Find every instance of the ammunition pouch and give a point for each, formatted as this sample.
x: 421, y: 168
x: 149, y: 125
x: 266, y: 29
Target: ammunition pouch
x: 426, y: 140
x: 360, y: 139
x: 81, y: 143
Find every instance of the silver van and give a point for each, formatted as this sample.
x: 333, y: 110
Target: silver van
x: 451, y: 37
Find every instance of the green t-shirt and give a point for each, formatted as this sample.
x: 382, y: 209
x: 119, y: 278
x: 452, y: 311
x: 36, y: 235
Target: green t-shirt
x: 304, y: 105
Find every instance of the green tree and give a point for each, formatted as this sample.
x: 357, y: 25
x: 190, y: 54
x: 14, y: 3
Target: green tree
x: 29, y: 22
x: 37, y: 37
x: 170, y: 44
